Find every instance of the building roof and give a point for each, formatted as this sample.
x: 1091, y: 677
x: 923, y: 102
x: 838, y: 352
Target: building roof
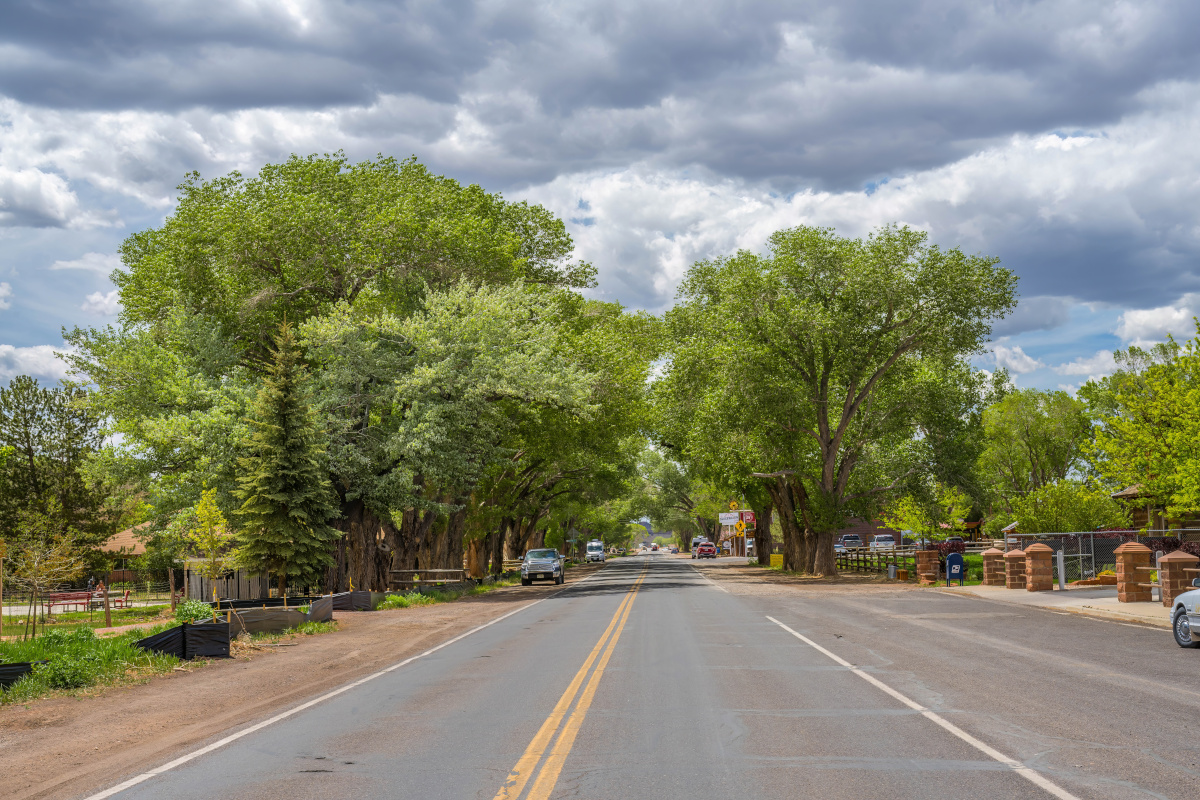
x: 1010, y: 527
x: 1129, y: 493
x: 125, y: 542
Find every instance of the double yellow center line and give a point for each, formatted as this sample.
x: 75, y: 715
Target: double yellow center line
x: 551, y: 766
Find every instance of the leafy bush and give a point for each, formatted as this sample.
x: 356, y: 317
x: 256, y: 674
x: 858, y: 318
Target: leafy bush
x: 406, y: 600
x: 192, y: 610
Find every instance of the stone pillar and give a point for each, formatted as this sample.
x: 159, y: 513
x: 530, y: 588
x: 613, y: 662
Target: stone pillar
x: 1171, y: 576
x: 927, y: 567
x: 1039, y: 571
x: 993, y: 567
x: 1130, y: 556
x: 1014, y: 569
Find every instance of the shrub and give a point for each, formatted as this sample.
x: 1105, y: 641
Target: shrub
x: 192, y: 610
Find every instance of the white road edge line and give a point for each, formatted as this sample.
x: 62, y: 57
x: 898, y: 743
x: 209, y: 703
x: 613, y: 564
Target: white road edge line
x: 233, y: 737
x: 709, y: 580
x: 1016, y: 766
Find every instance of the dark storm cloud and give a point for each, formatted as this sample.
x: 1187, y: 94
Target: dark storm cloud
x: 831, y: 95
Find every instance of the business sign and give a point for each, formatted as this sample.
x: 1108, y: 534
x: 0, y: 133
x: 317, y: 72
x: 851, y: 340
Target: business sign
x: 954, y: 568
x: 748, y: 518
x: 729, y: 517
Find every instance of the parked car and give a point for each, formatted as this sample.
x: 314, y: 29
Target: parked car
x: 594, y: 551
x: 838, y: 547
x: 850, y: 540
x: 954, y: 539
x: 706, y: 550
x: 1185, y: 617
x: 542, y: 565
x: 883, y: 541
x: 654, y: 548
x: 674, y: 550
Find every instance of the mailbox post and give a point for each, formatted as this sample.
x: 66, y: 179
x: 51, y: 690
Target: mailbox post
x: 954, y: 568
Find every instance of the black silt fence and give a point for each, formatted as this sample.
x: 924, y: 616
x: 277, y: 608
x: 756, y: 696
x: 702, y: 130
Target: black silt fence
x: 190, y: 640
x: 11, y: 673
x: 266, y: 602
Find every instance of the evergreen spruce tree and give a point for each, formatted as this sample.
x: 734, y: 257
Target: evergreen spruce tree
x: 285, y: 491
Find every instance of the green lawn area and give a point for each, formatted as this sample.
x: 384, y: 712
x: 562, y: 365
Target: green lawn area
x: 94, y: 619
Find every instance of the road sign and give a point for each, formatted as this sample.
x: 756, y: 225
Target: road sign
x: 740, y: 527
x: 954, y: 568
x: 733, y: 506
x: 748, y: 518
x: 728, y: 517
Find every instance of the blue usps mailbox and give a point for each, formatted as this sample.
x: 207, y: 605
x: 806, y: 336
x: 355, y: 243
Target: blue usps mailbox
x: 954, y: 568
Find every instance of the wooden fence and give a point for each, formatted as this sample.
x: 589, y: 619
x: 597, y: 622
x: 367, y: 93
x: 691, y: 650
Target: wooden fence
x: 864, y: 560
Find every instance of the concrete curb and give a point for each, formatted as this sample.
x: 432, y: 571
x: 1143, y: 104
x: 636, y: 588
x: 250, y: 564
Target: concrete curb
x: 1084, y: 611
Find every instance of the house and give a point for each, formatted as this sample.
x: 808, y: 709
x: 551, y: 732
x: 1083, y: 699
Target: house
x: 126, y: 546
x: 1147, y: 513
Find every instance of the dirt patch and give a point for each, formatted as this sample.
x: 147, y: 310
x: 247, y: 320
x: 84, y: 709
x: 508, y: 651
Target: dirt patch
x: 70, y: 746
x: 744, y: 579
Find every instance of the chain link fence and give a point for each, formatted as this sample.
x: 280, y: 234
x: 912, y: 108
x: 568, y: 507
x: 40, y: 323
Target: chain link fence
x: 1087, y: 555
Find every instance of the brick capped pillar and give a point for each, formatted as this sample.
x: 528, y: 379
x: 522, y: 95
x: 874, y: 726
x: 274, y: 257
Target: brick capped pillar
x: 927, y: 567
x: 1130, y: 556
x: 1039, y: 571
x: 1171, y: 576
x: 1014, y: 569
x: 993, y: 567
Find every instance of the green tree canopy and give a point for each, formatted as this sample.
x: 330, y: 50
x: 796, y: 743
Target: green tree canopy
x: 838, y: 366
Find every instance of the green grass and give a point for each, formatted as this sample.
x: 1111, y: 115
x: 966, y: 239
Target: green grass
x: 78, y: 660
x: 410, y: 599
x: 71, y: 620
x: 304, y: 628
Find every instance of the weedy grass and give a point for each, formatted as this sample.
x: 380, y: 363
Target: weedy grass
x: 304, y: 628
x: 78, y: 659
x: 410, y: 599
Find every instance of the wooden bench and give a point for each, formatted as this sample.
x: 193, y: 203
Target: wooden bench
x: 66, y: 599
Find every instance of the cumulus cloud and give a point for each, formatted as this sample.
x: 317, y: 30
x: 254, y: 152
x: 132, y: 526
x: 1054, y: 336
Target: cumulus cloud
x: 1015, y: 360
x: 105, y: 305
x: 1149, y: 325
x: 93, y: 262
x: 40, y: 361
x: 1095, y: 366
x: 1035, y: 314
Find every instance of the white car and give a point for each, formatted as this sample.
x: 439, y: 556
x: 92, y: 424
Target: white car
x: 1185, y: 617
x: 594, y: 552
x: 884, y: 541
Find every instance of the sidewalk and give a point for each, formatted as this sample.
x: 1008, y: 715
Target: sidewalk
x: 1092, y: 601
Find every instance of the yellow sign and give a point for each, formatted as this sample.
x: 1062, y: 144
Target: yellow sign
x: 741, y: 526
x: 733, y: 506
x: 777, y: 560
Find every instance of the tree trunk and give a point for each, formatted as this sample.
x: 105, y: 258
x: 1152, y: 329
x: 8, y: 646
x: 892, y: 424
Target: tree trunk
x: 762, y: 536
x: 456, y: 527
x: 171, y: 587
x: 477, y: 558
x: 367, y: 563
x: 824, y: 563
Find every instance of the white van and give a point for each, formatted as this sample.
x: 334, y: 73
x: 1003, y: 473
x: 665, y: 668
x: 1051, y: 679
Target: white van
x: 595, y: 551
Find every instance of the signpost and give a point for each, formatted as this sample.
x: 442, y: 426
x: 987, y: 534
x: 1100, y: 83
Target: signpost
x: 954, y: 568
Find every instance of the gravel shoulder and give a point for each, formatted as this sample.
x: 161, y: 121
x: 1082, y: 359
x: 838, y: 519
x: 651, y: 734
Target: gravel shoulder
x: 65, y: 747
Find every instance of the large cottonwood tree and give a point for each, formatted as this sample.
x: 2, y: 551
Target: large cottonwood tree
x: 839, y: 365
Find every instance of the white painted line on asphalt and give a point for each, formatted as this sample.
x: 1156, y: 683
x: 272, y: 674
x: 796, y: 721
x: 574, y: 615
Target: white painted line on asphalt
x: 1016, y: 766
x: 709, y: 580
x: 233, y: 737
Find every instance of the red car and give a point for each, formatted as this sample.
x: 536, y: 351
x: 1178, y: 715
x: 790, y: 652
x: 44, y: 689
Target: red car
x: 706, y: 550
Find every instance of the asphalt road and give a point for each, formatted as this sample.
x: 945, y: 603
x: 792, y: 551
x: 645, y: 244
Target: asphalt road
x: 650, y: 680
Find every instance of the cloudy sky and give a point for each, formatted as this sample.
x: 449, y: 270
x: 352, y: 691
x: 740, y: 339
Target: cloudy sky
x: 1054, y: 135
